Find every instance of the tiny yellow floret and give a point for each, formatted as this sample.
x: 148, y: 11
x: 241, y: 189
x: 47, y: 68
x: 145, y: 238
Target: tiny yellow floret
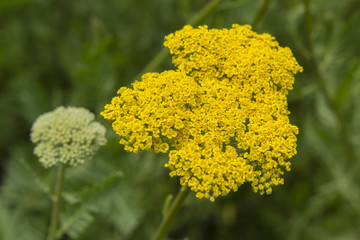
x: 222, y: 116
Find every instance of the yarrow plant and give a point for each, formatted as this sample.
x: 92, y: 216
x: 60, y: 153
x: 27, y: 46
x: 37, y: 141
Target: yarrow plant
x: 221, y: 116
x: 66, y: 135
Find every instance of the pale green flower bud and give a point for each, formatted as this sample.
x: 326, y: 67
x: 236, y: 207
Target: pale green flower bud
x: 66, y: 135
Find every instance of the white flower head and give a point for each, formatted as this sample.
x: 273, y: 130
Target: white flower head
x: 66, y: 135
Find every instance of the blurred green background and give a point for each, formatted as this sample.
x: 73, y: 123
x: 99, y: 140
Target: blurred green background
x: 79, y: 53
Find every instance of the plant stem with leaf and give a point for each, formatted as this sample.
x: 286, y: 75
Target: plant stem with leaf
x: 170, y: 213
x: 56, y: 203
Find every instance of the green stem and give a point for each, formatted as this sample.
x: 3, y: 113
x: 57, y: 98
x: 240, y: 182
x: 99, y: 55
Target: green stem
x: 154, y: 63
x: 204, y: 12
x: 163, y: 54
x: 169, y: 215
x: 343, y: 177
x: 314, y: 63
x: 56, y: 202
x: 260, y: 13
x: 342, y: 123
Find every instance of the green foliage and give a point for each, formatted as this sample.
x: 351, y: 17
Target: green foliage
x: 79, y: 53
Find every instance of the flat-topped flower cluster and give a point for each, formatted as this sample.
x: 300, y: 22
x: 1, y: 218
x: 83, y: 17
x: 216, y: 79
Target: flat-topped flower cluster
x: 67, y: 135
x: 222, y: 116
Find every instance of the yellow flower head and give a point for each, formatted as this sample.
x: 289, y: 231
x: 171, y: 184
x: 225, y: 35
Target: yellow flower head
x: 221, y: 116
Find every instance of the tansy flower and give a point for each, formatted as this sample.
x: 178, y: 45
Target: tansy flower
x: 66, y: 135
x: 221, y: 116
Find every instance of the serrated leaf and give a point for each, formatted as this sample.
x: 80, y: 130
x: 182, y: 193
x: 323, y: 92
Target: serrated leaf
x: 343, y: 93
x: 78, y: 222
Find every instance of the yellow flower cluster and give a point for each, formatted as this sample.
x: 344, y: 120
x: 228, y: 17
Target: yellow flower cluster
x: 221, y: 116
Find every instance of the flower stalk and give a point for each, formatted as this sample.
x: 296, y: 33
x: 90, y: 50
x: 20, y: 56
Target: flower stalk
x: 169, y: 215
x: 260, y: 13
x: 56, y: 202
x: 164, y: 53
